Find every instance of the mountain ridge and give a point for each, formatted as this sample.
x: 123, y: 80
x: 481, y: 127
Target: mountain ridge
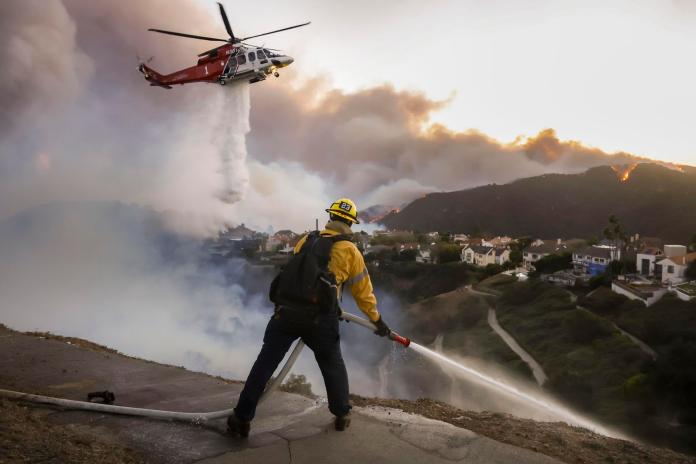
x: 652, y: 201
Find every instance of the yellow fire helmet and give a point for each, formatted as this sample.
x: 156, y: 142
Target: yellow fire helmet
x: 345, y: 208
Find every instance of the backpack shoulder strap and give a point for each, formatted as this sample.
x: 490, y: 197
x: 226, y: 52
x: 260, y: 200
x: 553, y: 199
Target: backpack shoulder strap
x: 309, y: 241
x: 340, y: 238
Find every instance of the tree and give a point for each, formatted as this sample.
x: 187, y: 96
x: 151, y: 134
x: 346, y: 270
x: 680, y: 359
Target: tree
x: 516, y: 250
x: 691, y: 271
x: 447, y: 253
x: 614, y: 231
x: 406, y: 255
x: 554, y: 262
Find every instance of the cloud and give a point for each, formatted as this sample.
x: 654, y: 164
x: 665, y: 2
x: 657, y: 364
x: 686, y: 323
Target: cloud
x: 42, y: 65
x: 372, y: 141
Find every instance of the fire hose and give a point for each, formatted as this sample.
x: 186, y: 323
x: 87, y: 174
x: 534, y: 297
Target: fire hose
x: 191, y: 417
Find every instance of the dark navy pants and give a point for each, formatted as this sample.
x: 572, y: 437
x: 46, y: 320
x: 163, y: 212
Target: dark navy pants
x: 322, y: 337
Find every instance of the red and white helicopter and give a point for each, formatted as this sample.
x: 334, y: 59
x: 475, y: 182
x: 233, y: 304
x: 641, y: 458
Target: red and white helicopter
x: 234, y: 61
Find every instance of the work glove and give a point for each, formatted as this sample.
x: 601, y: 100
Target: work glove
x: 382, y: 328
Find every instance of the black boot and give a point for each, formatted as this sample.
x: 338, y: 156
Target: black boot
x: 238, y: 427
x: 342, y: 422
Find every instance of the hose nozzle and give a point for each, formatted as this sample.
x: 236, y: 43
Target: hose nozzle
x: 399, y: 339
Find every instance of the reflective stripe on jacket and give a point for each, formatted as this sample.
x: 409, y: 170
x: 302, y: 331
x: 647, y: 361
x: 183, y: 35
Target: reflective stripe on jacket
x: 347, y: 264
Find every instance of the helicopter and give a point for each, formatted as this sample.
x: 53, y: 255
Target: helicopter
x: 233, y: 61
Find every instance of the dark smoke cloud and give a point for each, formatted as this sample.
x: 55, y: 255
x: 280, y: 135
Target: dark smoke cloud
x: 378, y: 144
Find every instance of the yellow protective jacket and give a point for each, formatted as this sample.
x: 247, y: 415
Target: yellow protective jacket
x: 347, y: 264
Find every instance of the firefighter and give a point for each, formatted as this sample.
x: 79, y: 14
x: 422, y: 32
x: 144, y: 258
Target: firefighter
x: 313, y: 314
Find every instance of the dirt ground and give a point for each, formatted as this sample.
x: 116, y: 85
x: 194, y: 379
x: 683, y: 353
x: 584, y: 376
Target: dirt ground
x: 555, y: 439
x: 25, y: 437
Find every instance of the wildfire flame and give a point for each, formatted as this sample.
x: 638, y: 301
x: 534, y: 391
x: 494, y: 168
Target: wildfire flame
x: 623, y: 172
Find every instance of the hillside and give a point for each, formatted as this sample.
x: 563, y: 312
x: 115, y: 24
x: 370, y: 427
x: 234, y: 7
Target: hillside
x: 289, y: 428
x: 653, y: 201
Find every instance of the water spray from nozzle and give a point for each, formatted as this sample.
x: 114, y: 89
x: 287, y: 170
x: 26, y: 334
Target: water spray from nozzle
x: 399, y: 339
x: 555, y: 409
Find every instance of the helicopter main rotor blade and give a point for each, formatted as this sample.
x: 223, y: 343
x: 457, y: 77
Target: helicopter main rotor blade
x: 227, y: 23
x: 190, y: 36
x: 278, y: 30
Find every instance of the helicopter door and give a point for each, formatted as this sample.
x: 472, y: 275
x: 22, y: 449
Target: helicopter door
x: 230, y: 67
x: 253, y: 61
x: 242, y: 65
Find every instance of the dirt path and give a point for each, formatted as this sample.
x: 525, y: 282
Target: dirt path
x: 538, y: 372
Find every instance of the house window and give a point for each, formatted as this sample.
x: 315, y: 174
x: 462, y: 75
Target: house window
x: 670, y: 269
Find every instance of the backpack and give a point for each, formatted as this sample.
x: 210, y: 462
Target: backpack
x: 305, y: 282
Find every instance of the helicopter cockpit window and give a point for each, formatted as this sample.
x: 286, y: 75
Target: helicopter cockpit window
x: 269, y: 53
x: 261, y: 55
x: 241, y: 59
x: 213, y: 54
x: 252, y: 56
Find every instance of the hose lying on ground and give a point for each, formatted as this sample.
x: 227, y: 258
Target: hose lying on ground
x: 192, y: 417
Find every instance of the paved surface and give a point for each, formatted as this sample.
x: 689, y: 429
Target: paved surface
x: 289, y: 428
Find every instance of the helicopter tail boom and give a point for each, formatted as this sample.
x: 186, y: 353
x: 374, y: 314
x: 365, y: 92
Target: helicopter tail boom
x: 153, y: 77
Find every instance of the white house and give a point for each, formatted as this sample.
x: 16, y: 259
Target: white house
x: 423, y: 256
x: 674, y: 268
x: 460, y: 238
x: 497, y: 242
x: 593, y: 260
x: 648, y: 294
x: 646, y: 261
x: 483, y: 256
x: 538, y: 249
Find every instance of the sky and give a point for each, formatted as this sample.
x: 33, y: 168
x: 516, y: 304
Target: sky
x: 384, y: 103
x: 615, y: 75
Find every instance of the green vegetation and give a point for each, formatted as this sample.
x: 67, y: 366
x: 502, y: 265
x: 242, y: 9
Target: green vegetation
x: 666, y: 387
x: 587, y: 360
x: 415, y: 281
x: 448, y: 253
x: 689, y: 288
x: 516, y: 251
x: 463, y: 319
x: 691, y: 271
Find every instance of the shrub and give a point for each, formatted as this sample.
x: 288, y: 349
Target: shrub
x: 298, y: 384
x: 574, y: 388
x: 447, y: 253
x: 584, y: 327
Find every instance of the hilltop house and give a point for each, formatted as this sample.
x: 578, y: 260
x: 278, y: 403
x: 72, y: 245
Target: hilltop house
x: 282, y: 239
x: 461, y: 239
x: 483, y: 256
x: 423, y: 256
x: 540, y: 248
x: 594, y: 260
x: 646, y: 261
x: 497, y: 242
x: 674, y: 267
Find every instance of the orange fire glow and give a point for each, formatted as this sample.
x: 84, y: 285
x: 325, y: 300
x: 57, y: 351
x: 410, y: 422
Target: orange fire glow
x: 623, y: 172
